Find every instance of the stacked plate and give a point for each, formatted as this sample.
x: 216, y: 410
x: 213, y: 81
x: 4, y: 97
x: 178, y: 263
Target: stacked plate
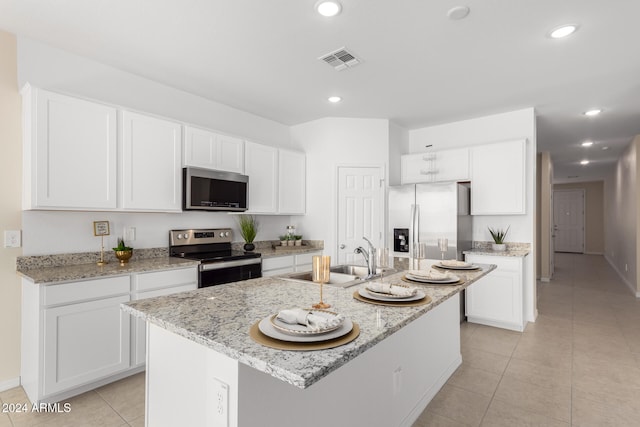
x: 433, y: 277
x: 275, y: 328
x: 389, y: 297
x: 457, y: 265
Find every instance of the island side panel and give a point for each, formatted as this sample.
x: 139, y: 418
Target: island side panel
x: 388, y: 385
x: 181, y: 382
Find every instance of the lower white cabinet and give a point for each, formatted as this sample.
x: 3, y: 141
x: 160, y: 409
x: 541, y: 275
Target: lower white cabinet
x: 75, y: 337
x: 275, y: 266
x: 497, y: 299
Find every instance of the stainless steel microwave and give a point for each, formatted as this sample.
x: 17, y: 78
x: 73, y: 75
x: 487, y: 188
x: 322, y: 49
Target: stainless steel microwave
x: 209, y: 190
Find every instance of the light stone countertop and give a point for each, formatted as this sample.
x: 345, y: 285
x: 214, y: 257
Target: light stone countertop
x: 74, y: 273
x: 288, y: 250
x: 219, y: 318
x: 518, y: 253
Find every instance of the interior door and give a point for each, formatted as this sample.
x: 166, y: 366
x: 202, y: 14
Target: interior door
x: 568, y: 220
x: 360, y: 210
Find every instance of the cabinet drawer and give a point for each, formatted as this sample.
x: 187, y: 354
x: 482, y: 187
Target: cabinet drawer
x: 165, y: 291
x: 305, y: 258
x: 91, y: 289
x: 277, y: 262
x: 162, y: 279
x: 503, y: 263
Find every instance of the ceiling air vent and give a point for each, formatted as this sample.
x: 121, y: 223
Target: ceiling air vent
x: 340, y: 59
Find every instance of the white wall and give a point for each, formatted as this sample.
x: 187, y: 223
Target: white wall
x: 48, y: 232
x: 398, y: 145
x: 499, y: 127
x: 328, y: 143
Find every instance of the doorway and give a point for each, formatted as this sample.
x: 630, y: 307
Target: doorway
x: 360, y: 209
x: 568, y: 220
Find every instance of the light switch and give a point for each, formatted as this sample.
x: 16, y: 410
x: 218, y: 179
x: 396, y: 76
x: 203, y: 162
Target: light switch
x: 12, y: 239
x: 219, y: 410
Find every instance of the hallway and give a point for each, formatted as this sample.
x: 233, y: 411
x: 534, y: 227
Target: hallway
x: 578, y: 365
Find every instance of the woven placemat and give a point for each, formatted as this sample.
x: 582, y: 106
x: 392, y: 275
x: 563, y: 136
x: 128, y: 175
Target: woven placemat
x: 416, y: 282
x: 462, y: 270
x: 423, y: 301
x: 260, y: 338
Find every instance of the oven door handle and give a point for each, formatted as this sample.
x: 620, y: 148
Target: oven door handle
x: 227, y: 264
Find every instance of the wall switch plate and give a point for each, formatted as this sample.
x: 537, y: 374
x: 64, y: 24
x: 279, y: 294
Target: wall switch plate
x: 220, y: 413
x: 12, y: 239
x: 129, y: 234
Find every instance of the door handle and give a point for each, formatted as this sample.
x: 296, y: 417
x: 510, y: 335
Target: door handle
x: 342, y: 246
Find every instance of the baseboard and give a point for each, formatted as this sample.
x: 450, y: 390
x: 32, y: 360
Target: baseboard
x: 9, y: 384
x: 415, y: 413
x: 632, y: 288
x: 497, y: 323
x: 594, y: 253
x: 545, y: 279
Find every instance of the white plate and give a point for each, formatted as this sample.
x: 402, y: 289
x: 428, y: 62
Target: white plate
x: 454, y: 267
x: 297, y: 329
x: 424, y: 275
x: 267, y: 328
x: 454, y: 263
x: 366, y: 294
x: 382, y: 294
x: 448, y: 280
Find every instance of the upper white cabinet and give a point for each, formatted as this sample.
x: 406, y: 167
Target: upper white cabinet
x: 277, y: 179
x: 151, y: 163
x: 69, y: 152
x: 498, y: 178
x: 291, y: 182
x: 436, y: 166
x: 209, y: 150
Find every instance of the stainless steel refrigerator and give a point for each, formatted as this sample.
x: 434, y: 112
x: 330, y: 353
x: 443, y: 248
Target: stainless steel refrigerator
x: 426, y: 212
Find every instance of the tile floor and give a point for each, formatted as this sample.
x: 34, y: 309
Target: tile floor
x: 578, y: 365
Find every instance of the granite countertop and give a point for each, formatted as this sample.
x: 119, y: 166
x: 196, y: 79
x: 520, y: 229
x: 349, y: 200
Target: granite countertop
x: 74, y: 273
x: 219, y: 317
x: 508, y: 253
x: 287, y: 250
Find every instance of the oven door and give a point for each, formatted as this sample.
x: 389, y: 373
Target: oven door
x: 217, y: 273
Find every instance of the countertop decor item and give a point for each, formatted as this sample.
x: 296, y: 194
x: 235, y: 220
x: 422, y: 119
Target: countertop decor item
x: 321, y: 267
x: 123, y: 252
x: 248, y: 230
x: 101, y: 228
x: 498, y: 237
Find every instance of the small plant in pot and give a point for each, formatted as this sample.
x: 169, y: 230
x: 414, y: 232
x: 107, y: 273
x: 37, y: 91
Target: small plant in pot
x: 298, y: 239
x: 498, y: 237
x: 283, y: 240
x: 123, y: 252
x: 248, y: 230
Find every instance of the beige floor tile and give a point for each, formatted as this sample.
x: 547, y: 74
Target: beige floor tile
x: 459, y: 405
x: 588, y: 413
x: 545, y: 352
x: 549, y: 324
x: 484, y: 360
x: 612, y: 350
x: 429, y: 419
x: 475, y: 380
x: 502, y: 414
x: 595, y: 330
x: 608, y: 392
x: 466, y: 330
x: 554, y: 402
x: 538, y: 374
x: 495, y: 340
x: 604, y: 371
x: 139, y: 422
x: 5, y: 421
x: 126, y: 396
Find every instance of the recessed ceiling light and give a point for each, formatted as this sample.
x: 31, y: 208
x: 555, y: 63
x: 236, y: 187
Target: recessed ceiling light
x: 328, y: 8
x: 584, y: 162
x: 563, y: 31
x: 605, y: 148
x: 334, y: 99
x: 591, y: 113
x: 458, y: 12
x: 587, y: 143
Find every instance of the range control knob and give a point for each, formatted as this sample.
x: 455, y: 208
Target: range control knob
x: 179, y: 236
x: 222, y: 234
x: 186, y: 235
x: 226, y: 234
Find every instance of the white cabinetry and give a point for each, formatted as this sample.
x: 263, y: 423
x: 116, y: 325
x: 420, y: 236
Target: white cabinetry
x: 498, y: 178
x: 275, y: 266
x: 69, y: 152
x: 155, y: 284
x: 497, y: 299
x: 209, y: 150
x: 277, y: 180
x: 436, y: 166
x: 151, y: 163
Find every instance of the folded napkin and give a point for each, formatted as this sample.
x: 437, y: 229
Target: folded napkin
x: 388, y: 288
x: 312, y: 321
x: 430, y: 274
x: 454, y: 263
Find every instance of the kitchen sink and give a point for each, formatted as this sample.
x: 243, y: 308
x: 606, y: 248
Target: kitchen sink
x: 342, y: 276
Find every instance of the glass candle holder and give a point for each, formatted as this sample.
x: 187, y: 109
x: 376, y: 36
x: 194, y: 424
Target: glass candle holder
x: 321, y: 273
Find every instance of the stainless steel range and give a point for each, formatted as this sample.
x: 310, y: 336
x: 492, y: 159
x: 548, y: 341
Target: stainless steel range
x: 218, y: 262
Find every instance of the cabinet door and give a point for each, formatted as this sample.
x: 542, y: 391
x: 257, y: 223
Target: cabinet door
x: 291, y: 182
x: 261, y: 165
x: 230, y: 154
x: 452, y: 165
x: 85, y: 342
x: 209, y: 150
x: 70, y: 152
x: 416, y: 168
x: 498, y: 178
x: 151, y: 157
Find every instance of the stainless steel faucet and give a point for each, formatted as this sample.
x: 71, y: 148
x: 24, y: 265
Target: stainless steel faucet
x: 369, y: 257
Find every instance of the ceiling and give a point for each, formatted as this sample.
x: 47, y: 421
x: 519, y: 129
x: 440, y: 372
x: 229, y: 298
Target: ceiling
x: 418, y: 68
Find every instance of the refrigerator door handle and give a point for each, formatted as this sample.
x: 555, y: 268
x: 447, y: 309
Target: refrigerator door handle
x: 413, y: 227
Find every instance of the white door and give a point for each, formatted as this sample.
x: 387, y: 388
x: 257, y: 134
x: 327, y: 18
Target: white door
x: 568, y: 220
x: 360, y: 208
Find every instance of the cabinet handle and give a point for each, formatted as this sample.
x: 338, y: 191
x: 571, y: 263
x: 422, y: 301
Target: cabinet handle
x: 429, y: 157
x: 424, y: 172
x: 342, y: 246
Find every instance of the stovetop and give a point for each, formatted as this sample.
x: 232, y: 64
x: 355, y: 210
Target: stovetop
x: 206, y: 245
x: 217, y: 256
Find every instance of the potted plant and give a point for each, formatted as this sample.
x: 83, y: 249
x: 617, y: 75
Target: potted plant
x: 498, y: 237
x: 298, y: 240
x: 283, y: 240
x: 248, y: 230
x: 122, y: 251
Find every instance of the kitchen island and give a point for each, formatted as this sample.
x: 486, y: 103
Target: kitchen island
x: 204, y: 369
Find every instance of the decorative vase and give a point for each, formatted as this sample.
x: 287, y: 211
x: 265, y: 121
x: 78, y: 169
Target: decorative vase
x: 124, y: 256
x: 499, y: 247
x: 291, y: 242
x: 249, y: 247
x: 299, y: 242
x: 283, y: 243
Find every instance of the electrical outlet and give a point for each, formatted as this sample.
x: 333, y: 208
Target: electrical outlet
x: 397, y: 380
x: 220, y: 413
x: 626, y: 267
x: 129, y: 234
x: 12, y: 239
